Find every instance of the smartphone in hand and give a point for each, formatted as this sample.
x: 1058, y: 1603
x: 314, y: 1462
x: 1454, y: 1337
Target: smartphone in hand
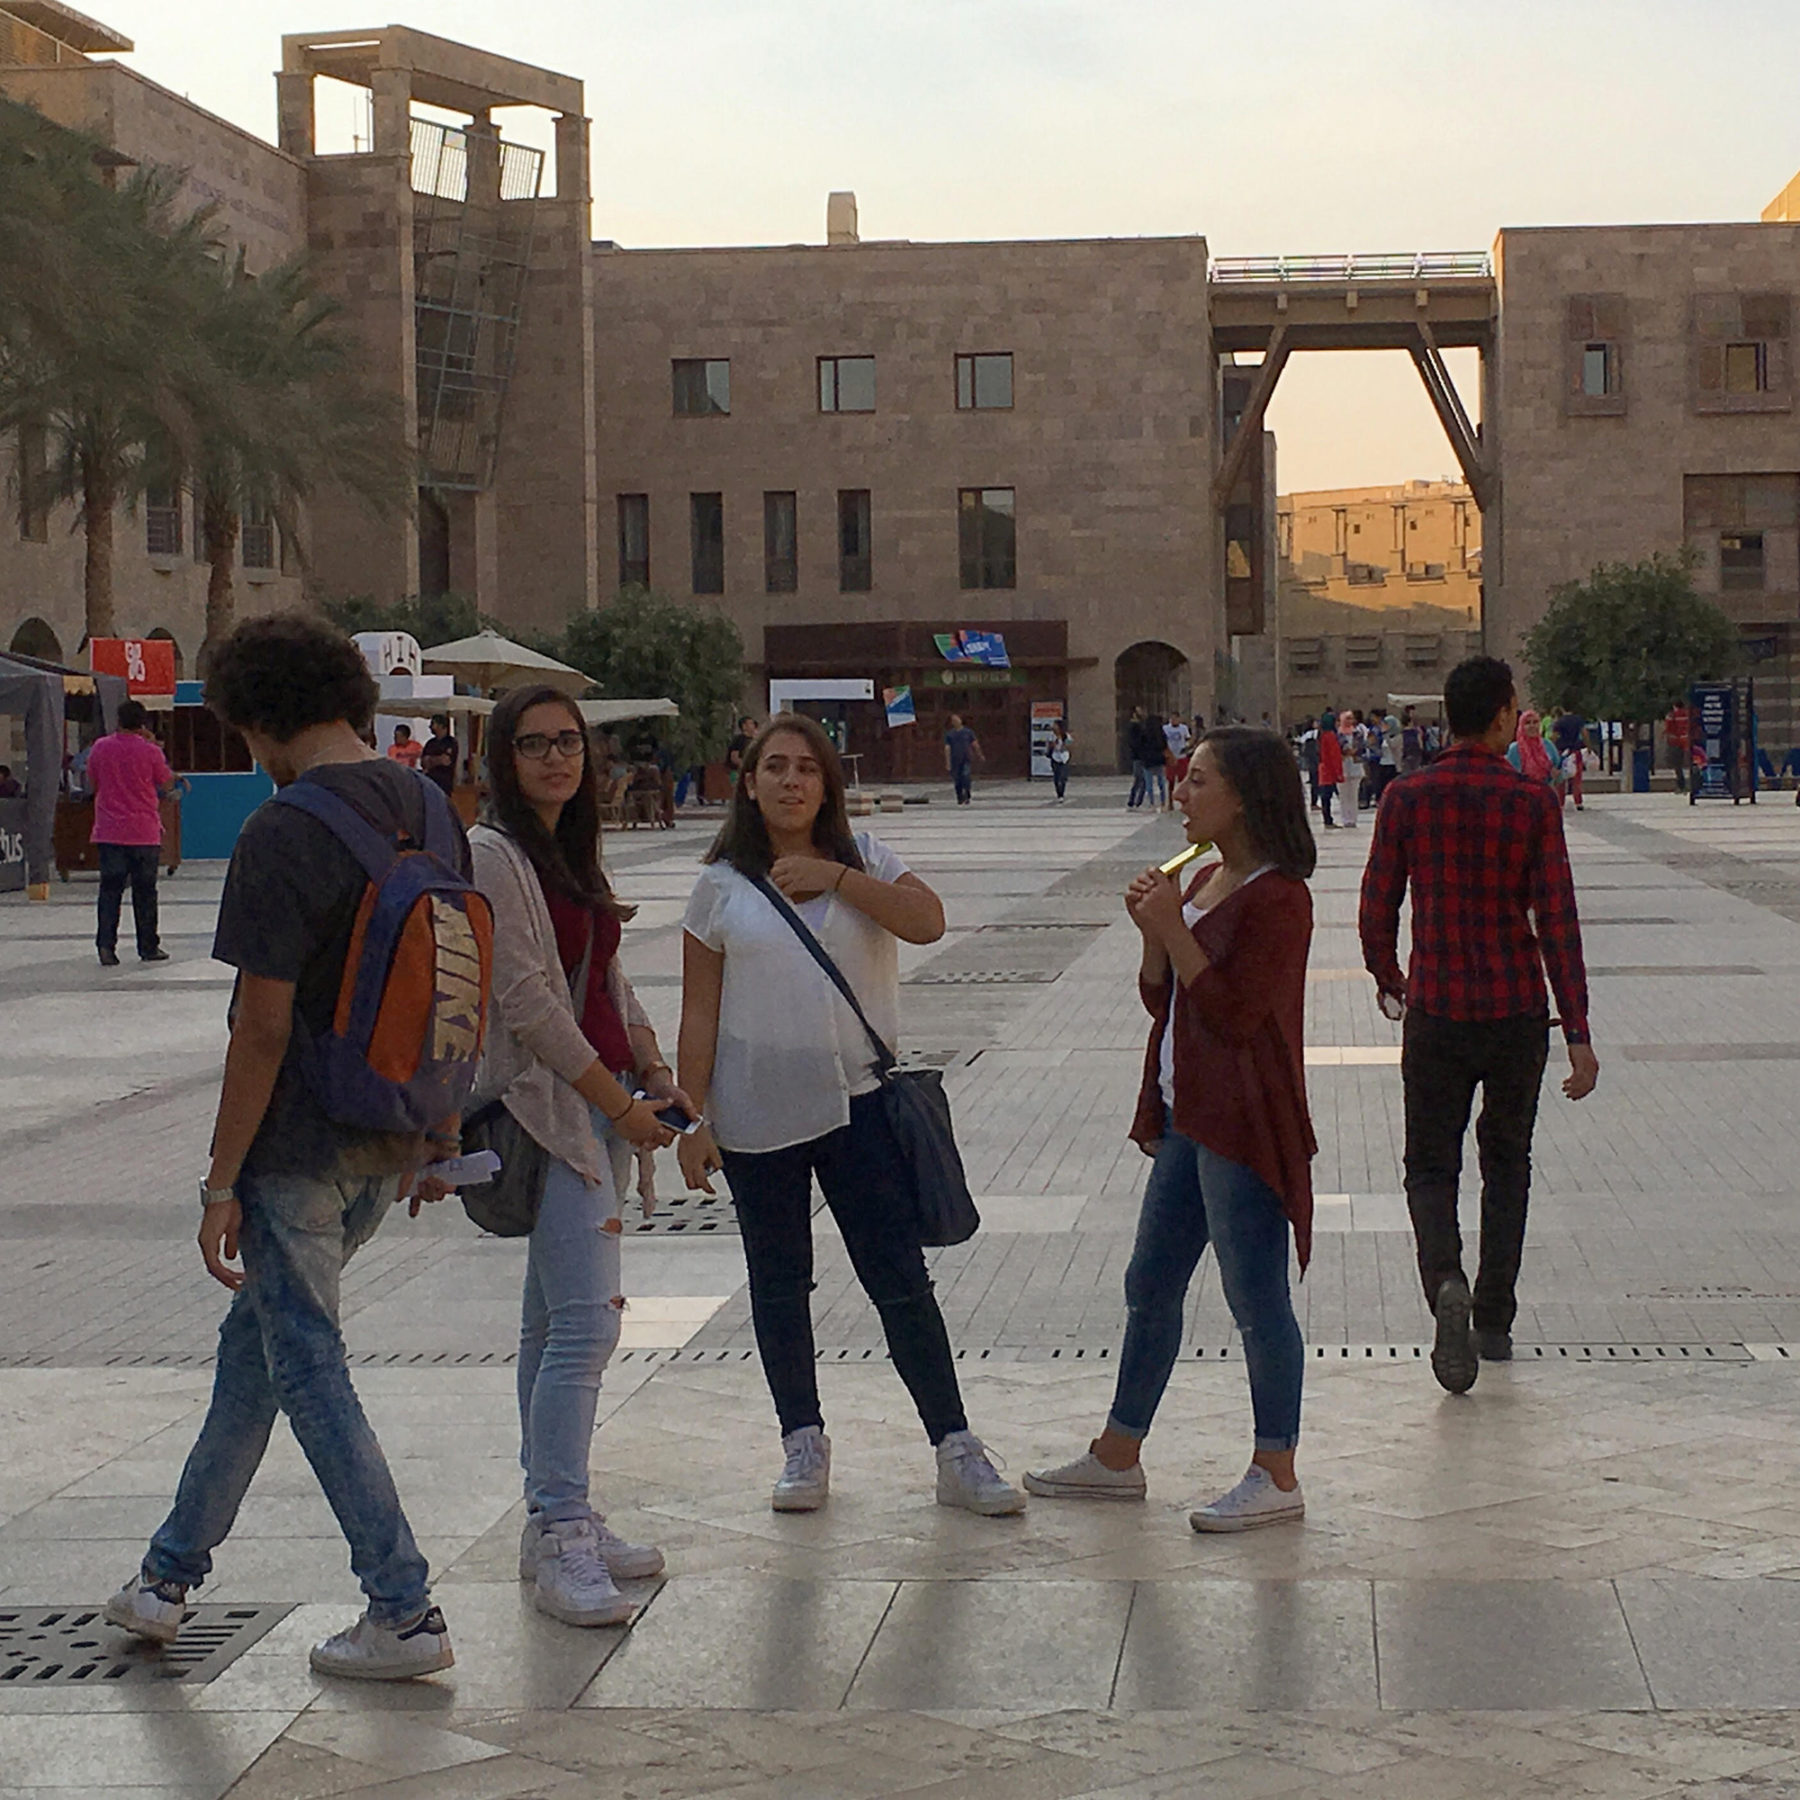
x: 674, y: 1116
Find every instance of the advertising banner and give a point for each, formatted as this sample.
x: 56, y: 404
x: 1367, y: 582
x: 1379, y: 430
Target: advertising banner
x: 1044, y: 714
x: 1722, y: 727
x: 12, y: 846
x: 146, y: 664
x: 900, y: 708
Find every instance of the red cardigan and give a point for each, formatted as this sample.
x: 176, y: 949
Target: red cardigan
x: 1240, y: 1076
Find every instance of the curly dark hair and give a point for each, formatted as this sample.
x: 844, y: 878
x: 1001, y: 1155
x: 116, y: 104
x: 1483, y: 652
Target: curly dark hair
x: 1260, y: 768
x: 568, y: 860
x: 282, y: 673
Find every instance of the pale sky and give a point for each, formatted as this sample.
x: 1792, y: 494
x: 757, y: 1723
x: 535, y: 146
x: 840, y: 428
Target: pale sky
x: 1314, y: 125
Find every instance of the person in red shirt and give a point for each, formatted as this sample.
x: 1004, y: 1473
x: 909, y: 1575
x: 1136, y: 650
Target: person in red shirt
x: 1493, y: 909
x: 1675, y: 730
x: 129, y: 778
x: 403, y: 749
x: 1223, y: 1112
x: 1331, y: 765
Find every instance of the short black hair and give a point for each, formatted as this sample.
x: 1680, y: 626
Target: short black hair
x: 282, y: 673
x: 1476, y: 692
x: 398, y: 729
x: 442, y: 719
x: 133, y: 715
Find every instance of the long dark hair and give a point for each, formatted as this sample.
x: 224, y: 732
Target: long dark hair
x: 743, y: 839
x: 1261, y: 770
x: 568, y: 860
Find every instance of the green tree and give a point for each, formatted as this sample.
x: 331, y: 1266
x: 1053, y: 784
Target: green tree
x: 288, y: 414
x: 1627, y: 642
x: 437, y: 619
x: 645, y: 646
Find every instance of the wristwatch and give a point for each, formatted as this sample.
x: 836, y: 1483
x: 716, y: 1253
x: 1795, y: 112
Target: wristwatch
x: 212, y: 1196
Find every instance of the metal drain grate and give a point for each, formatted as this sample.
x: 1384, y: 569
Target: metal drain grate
x: 691, y: 1214
x: 980, y: 977
x: 73, y: 1646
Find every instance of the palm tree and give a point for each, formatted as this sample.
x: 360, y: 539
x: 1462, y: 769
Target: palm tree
x: 291, y: 415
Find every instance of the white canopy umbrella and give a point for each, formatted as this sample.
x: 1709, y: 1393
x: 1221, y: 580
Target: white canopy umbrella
x: 616, y: 712
x: 488, y: 660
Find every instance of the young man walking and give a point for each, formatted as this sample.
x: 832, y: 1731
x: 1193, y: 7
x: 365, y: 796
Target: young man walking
x: 129, y: 779
x: 961, y: 747
x: 292, y: 1190
x: 1493, y: 908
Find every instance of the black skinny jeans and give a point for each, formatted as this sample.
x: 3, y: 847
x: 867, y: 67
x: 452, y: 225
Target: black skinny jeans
x: 134, y: 865
x: 1442, y: 1062
x: 861, y: 1175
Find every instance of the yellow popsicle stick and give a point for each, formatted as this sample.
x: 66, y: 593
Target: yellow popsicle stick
x: 1176, y: 864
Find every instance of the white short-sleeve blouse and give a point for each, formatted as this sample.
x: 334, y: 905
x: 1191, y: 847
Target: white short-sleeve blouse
x: 791, y: 1053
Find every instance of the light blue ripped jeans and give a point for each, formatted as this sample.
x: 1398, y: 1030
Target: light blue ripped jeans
x: 280, y: 1350
x: 569, y: 1326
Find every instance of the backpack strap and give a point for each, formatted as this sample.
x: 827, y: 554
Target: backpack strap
x: 370, y: 847
x: 885, y: 1060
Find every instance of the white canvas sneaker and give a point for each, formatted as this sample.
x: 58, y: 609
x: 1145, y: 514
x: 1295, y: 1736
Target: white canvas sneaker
x: 804, y: 1484
x: 626, y: 1562
x: 1086, y: 1478
x: 152, y: 1610
x: 966, y: 1477
x: 371, y: 1652
x: 573, y: 1581
x: 1254, y: 1502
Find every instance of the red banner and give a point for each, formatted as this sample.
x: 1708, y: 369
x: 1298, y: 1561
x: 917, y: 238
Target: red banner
x: 148, y: 664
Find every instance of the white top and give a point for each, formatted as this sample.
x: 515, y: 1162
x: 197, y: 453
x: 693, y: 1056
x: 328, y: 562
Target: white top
x: 791, y: 1053
x: 1176, y: 735
x: 1190, y: 917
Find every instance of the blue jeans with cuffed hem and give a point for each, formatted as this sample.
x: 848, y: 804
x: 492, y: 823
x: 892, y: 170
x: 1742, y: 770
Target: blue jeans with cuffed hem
x: 1195, y: 1198
x: 568, y: 1328
x: 280, y: 1350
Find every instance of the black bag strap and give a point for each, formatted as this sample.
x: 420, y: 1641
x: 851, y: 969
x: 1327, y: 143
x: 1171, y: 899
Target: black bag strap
x: 885, y: 1060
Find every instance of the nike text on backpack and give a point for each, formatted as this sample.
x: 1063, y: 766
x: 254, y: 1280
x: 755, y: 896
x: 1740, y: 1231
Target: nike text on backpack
x: 404, y: 1043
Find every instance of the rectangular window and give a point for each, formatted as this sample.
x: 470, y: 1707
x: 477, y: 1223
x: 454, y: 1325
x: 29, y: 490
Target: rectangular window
x: 856, y: 571
x: 162, y: 521
x: 987, y: 537
x: 706, y: 520
x: 984, y: 381
x: 33, y: 485
x: 702, y: 386
x: 1741, y: 560
x: 256, y: 544
x: 1746, y: 368
x: 634, y: 540
x: 846, y: 384
x: 781, y: 543
x: 1597, y: 365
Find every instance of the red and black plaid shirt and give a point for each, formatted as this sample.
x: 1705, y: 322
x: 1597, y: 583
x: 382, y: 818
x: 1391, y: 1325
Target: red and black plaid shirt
x: 1483, y: 849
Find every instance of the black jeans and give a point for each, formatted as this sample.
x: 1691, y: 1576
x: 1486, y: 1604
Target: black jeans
x: 1442, y: 1062
x: 1059, y: 773
x: 859, y: 1171
x: 136, y: 864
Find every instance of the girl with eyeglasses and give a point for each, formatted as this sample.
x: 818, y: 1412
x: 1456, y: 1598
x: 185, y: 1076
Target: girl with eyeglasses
x: 568, y: 1048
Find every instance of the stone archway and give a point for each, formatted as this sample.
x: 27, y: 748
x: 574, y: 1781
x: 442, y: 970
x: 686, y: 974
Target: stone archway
x: 35, y: 638
x: 1155, y: 676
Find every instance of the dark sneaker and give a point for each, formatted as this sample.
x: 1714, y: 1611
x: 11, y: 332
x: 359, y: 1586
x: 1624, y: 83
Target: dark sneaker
x: 109, y: 959
x: 157, y: 955
x: 1453, y: 1349
x: 1493, y: 1346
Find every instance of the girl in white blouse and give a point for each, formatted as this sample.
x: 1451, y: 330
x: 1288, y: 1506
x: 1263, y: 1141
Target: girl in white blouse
x: 786, y: 1075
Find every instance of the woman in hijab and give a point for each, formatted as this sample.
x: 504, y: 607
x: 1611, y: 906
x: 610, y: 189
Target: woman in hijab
x: 1527, y: 752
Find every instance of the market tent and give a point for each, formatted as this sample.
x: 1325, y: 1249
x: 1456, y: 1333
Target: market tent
x: 428, y: 706
x: 111, y: 690
x: 616, y: 712
x: 34, y: 692
x: 488, y: 660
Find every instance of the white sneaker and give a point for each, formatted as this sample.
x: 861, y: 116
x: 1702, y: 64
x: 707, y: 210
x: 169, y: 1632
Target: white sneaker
x: 573, y: 1581
x: 1254, y: 1502
x: 966, y: 1477
x: 805, y: 1481
x: 153, y: 1610
x: 371, y: 1652
x: 1087, y: 1478
x: 625, y: 1562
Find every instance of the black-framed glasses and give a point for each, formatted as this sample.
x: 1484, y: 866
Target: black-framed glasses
x: 534, y: 746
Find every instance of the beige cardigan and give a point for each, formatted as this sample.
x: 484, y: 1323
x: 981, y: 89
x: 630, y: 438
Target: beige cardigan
x: 535, y: 1047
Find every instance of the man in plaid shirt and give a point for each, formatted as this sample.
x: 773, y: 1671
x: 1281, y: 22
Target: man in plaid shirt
x: 1493, y: 907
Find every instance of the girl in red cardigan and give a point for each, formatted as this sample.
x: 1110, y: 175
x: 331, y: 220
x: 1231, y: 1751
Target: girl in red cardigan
x: 1223, y: 1113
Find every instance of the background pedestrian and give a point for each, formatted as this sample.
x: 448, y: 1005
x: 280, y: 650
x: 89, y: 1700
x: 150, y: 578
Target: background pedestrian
x: 130, y: 779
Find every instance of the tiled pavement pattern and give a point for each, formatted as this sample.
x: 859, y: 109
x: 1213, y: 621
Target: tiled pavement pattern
x: 1579, y: 1581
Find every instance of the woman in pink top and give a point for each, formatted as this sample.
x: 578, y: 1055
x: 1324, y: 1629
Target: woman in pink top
x: 129, y: 778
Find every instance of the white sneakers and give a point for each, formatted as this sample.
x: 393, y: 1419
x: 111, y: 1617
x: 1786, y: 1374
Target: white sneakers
x: 152, y: 1610
x: 966, y: 1477
x: 1254, y: 1502
x: 371, y: 1652
x: 804, y: 1484
x: 624, y: 1562
x: 1087, y: 1478
x: 571, y: 1579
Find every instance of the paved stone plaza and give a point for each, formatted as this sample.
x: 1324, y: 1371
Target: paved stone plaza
x: 1579, y: 1580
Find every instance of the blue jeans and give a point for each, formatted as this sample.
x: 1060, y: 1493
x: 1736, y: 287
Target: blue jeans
x: 123, y: 865
x: 568, y: 1328
x: 1140, y: 783
x: 1194, y: 1198
x: 962, y: 776
x: 280, y: 1349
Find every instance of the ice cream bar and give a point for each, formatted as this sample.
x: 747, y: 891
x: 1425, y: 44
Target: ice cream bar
x: 1176, y: 864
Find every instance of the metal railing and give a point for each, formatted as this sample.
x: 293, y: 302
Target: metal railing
x: 1405, y: 265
